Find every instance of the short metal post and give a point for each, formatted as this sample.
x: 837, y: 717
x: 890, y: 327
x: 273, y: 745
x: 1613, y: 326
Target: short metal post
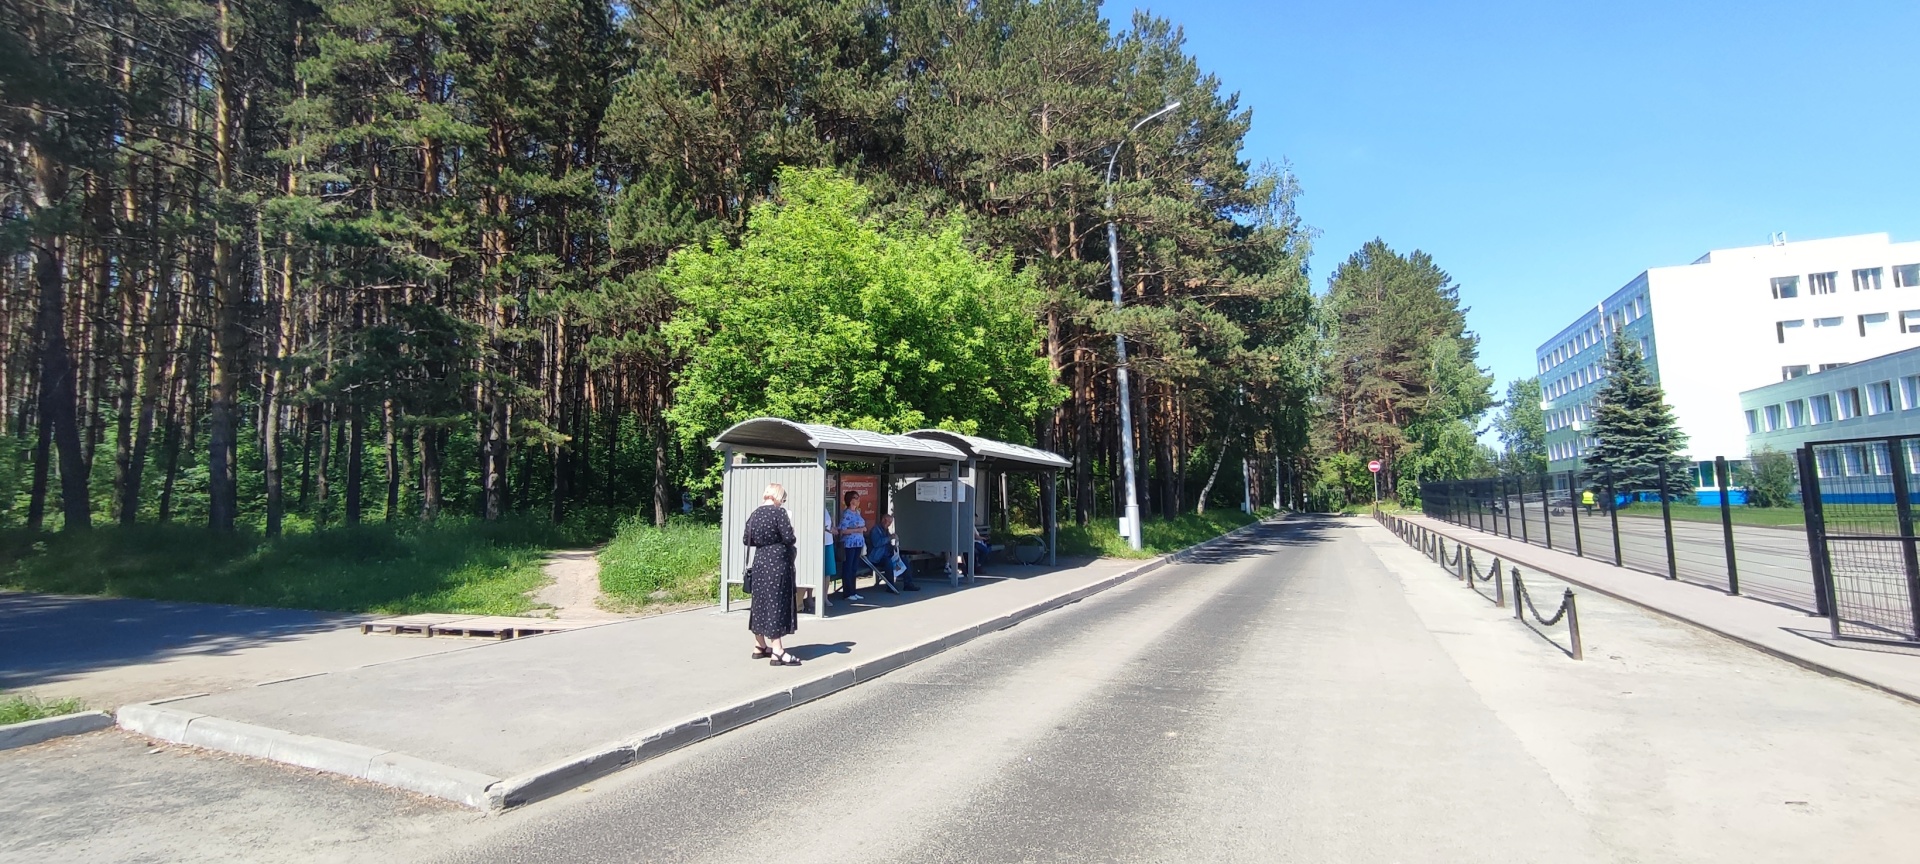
x: 1499, y: 586
x: 1519, y: 597
x: 1573, y: 507
x: 1666, y: 520
x: 1720, y: 476
x: 1546, y: 508
x: 1613, y: 514
x: 1573, y: 625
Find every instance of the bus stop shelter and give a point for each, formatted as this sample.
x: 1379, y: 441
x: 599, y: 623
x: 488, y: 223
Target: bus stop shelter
x: 932, y: 477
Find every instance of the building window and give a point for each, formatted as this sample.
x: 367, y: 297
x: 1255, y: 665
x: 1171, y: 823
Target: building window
x: 1855, y: 459
x: 1753, y: 421
x: 1849, y: 403
x: 1772, y: 414
x: 1827, y: 463
x: 1821, y: 283
x: 1910, y: 321
x: 1879, y: 397
x: 1866, y: 280
x: 1821, y: 407
x: 1824, y: 323
x: 1780, y: 328
x: 1910, y: 392
x: 1785, y: 287
x: 1906, y: 276
x: 1796, y: 413
x: 1873, y: 323
x: 1788, y: 373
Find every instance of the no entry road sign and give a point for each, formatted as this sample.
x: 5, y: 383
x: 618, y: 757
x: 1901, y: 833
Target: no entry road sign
x: 1374, y: 466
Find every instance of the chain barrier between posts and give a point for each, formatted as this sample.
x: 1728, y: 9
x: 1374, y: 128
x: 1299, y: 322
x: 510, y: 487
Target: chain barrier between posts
x: 1433, y: 545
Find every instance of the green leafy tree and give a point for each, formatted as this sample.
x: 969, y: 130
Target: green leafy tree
x: 1635, y: 427
x: 1523, y: 427
x: 822, y: 315
x: 1402, y: 383
x: 1770, y: 478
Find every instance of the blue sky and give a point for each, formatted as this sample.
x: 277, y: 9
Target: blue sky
x: 1547, y: 152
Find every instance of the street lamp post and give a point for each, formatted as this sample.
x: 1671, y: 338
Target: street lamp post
x: 1120, y: 339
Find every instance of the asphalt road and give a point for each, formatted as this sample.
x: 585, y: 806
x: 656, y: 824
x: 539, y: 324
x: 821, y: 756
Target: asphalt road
x: 1315, y: 692
x: 1277, y: 698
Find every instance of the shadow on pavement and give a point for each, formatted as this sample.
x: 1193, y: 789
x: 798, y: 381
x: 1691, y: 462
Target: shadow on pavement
x: 48, y: 637
x: 1308, y: 530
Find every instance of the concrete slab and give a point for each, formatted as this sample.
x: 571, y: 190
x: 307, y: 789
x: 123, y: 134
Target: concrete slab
x: 48, y: 728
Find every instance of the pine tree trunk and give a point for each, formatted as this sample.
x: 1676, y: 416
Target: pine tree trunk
x: 389, y: 417
x: 223, y: 366
x: 356, y: 461
x: 1200, y: 506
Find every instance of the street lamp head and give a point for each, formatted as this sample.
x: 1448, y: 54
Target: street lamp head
x: 1156, y: 115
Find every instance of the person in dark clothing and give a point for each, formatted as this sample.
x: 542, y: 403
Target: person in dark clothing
x: 770, y: 576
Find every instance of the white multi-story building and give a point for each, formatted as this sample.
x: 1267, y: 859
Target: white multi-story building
x: 1734, y: 320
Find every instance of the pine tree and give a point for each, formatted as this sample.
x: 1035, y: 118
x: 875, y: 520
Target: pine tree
x: 1635, y: 427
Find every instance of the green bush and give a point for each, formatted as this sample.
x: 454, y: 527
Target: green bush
x: 20, y: 709
x: 644, y: 565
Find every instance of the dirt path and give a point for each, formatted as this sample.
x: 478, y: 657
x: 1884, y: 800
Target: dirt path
x: 575, y: 586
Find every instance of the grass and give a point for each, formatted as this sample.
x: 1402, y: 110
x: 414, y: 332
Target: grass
x: 452, y: 565
x: 1101, y: 538
x: 1775, y: 516
x: 644, y: 565
x: 20, y: 709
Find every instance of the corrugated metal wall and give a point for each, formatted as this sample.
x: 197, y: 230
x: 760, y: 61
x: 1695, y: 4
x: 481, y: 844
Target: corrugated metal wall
x: 806, y: 502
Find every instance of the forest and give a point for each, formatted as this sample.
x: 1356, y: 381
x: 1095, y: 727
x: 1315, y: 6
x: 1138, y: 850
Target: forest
x: 272, y: 263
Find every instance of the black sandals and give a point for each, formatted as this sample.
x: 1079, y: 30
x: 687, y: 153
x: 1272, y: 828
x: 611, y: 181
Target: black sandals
x: 784, y: 659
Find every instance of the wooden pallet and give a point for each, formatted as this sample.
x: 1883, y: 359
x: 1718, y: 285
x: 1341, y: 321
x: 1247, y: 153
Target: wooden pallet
x: 503, y: 627
x: 411, y: 625
x: 469, y: 626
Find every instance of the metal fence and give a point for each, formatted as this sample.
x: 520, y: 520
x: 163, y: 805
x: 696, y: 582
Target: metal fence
x: 1588, y: 513
x: 1860, y: 516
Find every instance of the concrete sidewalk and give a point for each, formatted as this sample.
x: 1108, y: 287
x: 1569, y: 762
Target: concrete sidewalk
x: 1786, y: 633
x: 507, y: 723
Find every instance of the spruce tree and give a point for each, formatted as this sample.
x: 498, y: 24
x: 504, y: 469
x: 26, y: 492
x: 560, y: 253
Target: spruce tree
x: 1635, y: 427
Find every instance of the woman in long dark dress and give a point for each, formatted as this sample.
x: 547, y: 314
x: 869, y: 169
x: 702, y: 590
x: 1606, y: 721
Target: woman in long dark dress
x: 770, y: 576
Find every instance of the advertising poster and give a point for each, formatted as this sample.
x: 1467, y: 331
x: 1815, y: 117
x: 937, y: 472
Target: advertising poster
x: 868, y: 485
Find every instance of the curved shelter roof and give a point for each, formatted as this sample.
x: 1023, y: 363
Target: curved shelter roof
x: 772, y: 435
x: 994, y: 451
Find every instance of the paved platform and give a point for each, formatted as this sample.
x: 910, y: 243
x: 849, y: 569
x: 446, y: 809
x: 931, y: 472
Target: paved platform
x: 507, y: 722
x: 1789, y: 634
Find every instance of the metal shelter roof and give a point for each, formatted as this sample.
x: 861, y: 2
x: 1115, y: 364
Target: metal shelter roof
x: 995, y: 451
x: 785, y: 437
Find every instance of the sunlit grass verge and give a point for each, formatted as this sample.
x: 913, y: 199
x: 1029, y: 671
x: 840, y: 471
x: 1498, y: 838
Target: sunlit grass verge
x: 20, y: 709
x: 452, y: 565
x: 648, y: 566
x: 1101, y: 538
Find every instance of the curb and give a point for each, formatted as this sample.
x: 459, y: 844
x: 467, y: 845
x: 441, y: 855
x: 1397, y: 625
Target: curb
x: 485, y: 792
x: 1803, y: 662
x: 48, y: 728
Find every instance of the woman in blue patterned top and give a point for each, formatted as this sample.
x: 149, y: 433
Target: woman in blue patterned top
x: 853, y: 539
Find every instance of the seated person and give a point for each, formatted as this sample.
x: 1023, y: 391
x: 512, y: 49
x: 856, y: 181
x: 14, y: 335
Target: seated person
x: 884, y: 552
